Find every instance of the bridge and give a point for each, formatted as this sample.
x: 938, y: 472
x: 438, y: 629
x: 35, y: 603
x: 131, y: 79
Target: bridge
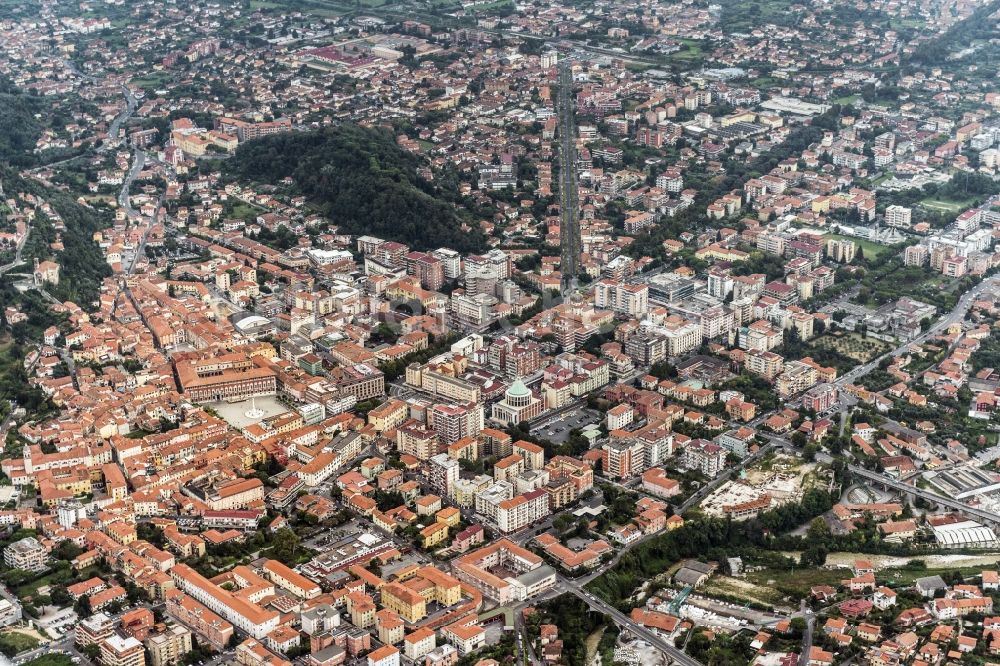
x: 983, y: 516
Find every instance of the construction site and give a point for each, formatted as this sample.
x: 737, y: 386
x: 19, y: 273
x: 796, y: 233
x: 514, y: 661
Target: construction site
x: 776, y: 480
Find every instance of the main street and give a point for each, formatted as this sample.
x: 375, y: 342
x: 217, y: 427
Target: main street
x: 569, y: 229
x: 807, y: 635
x: 131, y: 104
x: 124, y: 198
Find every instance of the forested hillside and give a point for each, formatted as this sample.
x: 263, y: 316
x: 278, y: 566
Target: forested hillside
x: 83, y: 264
x: 363, y: 181
x: 19, y: 129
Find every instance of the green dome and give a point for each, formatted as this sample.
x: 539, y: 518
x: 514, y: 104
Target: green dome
x: 518, y: 390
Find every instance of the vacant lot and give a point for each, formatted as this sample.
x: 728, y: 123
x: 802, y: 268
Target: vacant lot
x: 853, y: 346
x: 739, y: 588
x: 14, y: 642
x: 796, y: 584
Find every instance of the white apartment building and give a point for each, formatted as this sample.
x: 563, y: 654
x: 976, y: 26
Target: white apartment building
x: 622, y: 298
x: 898, y: 216
x: 519, y: 512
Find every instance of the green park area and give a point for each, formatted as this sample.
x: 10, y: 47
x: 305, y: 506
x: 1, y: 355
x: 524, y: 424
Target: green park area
x: 152, y: 81
x: 869, y: 248
x: 950, y: 206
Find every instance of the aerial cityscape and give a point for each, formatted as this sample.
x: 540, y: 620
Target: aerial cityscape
x: 499, y: 332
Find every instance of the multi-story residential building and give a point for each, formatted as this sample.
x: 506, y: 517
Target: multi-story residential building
x: 474, y: 311
x: 656, y: 482
x: 795, y: 378
x: 505, y: 572
x: 915, y: 255
x: 760, y: 336
x: 720, y: 282
x: 841, y: 250
x: 618, y: 417
x: 442, y: 382
x: 451, y: 262
x: 671, y: 180
x: 168, y: 647
x: 467, y: 490
x: 418, y: 643
x: 520, y: 511
x: 705, y: 457
x: 646, y: 347
x: 362, y: 380
x: 388, y: 415
x: 579, y: 473
x: 954, y: 267
x: 821, y: 397
x: 622, y: 298
x: 387, y: 655
x: 455, y: 422
x: 94, y: 630
x: 767, y: 364
x: 509, y: 468
x: 466, y: 637
x: 442, y: 474
x: 898, y: 216
x: 623, y: 458
x: 425, y: 267
x: 289, y: 579
x: 416, y: 440
x: 26, y: 554
x: 118, y: 651
x: 532, y: 454
x: 514, y: 358
x: 681, y: 336
x: 212, y: 629
x: 497, y: 260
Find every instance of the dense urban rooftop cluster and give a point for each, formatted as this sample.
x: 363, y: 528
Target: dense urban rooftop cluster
x: 482, y: 333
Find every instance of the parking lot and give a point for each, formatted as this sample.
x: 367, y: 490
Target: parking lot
x: 558, y: 430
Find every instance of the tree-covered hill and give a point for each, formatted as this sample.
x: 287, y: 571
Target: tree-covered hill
x: 363, y: 181
x: 82, y: 264
x: 19, y: 129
